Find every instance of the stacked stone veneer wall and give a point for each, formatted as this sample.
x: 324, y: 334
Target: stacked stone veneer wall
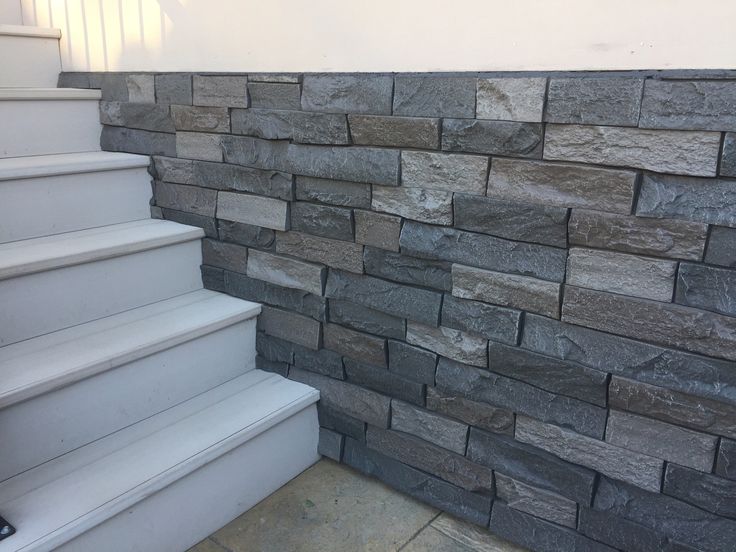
x: 517, y: 296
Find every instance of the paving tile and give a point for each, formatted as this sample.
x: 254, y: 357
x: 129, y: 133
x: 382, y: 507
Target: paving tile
x: 207, y: 545
x: 431, y: 539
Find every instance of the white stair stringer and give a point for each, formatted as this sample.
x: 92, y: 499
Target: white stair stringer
x: 30, y: 56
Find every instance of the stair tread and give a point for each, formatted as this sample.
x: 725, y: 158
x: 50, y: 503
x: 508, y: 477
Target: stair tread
x: 29, y: 31
x: 49, y: 94
x: 49, y: 252
x: 12, y: 168
x: 110, y: 475
x: 41, y: 364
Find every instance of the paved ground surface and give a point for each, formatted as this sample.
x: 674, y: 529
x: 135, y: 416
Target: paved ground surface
x: 331, y: 508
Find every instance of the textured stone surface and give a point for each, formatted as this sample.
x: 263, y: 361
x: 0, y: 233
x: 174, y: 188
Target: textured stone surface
x: 562, y: 185
x: 670, y: 325
x: 693, y: 153
x: 224, y: 91
x: 141, y: 88
x: 538, y: 502
x: 433, y: 242
x: 697, y: 199
x: 434, y: 97
x: 483, y: 386
x: 355, y: 345
x: 450, y: 343
x: 721, y: 247
x: 205, y: 223
x: 347, y: 94
x: 286, y: 272
x: 381, y: 380
x: 330, y: 444
x: 198, y: 145
x: 291, y: 327
x: 332, y: 418
x: 661, y: 238
x: 403, y: 301
x: 274, y: 349
x: 174, y: 89
x: 620, y: 273
x: 200, y: 119
x: 253, y: 210
x: 300, y: 126
x: 625, y: 465
x: 133, y: 115
x: 224, y: 255
x: 728, y: 155
x: 512, y: 220
x: 411, y: 362
x: 336, y: 253
x: 707, y: 491
x: 367, y: 320
x: 511, y: 99
x: 280, y: 368
x: 377, y: 230
x: 594, y: 101
x: 334, y: 192
x: 137, y: 141
x: 274, y: 95
x: 408, y: 270
x: 492, y: 137
x: 707, y: 287
x: 508, y: 290
x: 359, y: 164
x: 246, y: 234
x: 726, y: 461
x: 288, y: 78
x: 222, y: 176
x: 431, y: 206
x: 689, y: 105
x: 484, y: 416
x: 323, y: 362
x: 442, y: 171
x: 439, y: 430
x: 190, y: 199
x: 255, y: 152
x: 407, y: 132
x: 489, y: 321
x: 565, y: 378
x: 322, y: 220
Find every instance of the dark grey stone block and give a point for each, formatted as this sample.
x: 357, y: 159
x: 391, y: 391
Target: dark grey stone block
x: 137, y: 141
x: 492, y: 137
x: 594, y: 101
x: 434, y: 96
x: 290, y: 326
x: 332, y: 418
x: 381, y: 380
x: 274, y: 349
x: 714, y: 494
x: 213, y: 278
x: 172, y: 169
x: 286, y: 272
x: 246, y: 234
x: 722, y: 247
x: 336, y: 253
x: 439, y: 430
x: 511, y: 98
x: 407, y: 270
x: 726, y: 460
x: 431, y: 206
x: 200, y: 119
x: 358, y: 164
x: 300, y: 126
x: 288, y: 78
x: 136, y: 115
x: 141, y: 88
x: 401, y: 132
x: 255, y: 152
x: 220, y: 90
x: 190, y: 199
x: 378, y: 230
x: 411, y: 362
x: 334, y: 192
x: 253, y: 209
x: 71, y: 79
x: 205, y: 223
x: 114, y: 86
x: 624, y: 534
x: 537, y: 502
x: 322, y: 220
x: 689, y: 105
x: 274, y: 95
x: 280, y: 368
x: 454, y: 344
x: 222, y: 176
x: 490, y: 321
x: 327, y: 363
x: 370, y: 94
x: 330, y: 444
x: 356, y: 345
x: 484, y: 416
x: 707, y: 287
x: 450, y: 172
x: 367, y: 320
x: 174, y: 89
x: 224, y: 255
x: 728, y: 155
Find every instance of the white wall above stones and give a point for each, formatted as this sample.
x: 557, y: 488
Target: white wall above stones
x: 10, y: 13
x: 386, y: 35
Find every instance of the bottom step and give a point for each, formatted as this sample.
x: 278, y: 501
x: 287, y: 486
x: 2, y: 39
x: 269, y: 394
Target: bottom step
x: 167, y: 482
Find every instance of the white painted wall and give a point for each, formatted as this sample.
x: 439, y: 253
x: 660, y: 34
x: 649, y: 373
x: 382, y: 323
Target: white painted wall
x: 389, y: 35
x: 10, y: 13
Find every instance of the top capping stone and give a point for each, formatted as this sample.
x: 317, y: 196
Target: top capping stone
x: 511, y: 99
x: 364, y: 94
x: 689, y: 105
x: 174, y: 88
x: 595, y: 101
x: 276, y: 78
x: 434, y: 96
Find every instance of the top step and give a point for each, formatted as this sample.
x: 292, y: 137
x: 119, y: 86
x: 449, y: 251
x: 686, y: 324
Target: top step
x: 31, y: 56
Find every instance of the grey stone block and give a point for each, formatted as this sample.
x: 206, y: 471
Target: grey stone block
x: 369, y: 94
x: 334, y: 192
x: 171, y: 169
x: 137, y: 141
x: 291, y: 327
x: 377, y: 230
x: 464, y: 504
x: 625, y: 465
x: 222, y: 176
x: 690, y: 153
x: 402, y: 301
x: 213, y: 278
x: 255, y: 152
x: 174, y: 88
x: 141, y: 88
x: 556, y: 376
x: 447, y: 465
x: 289, y: 78
x: 491, y: 322
x: 408, y: 270
x: 450, y: 343
x: 224, y: 255
x: 330, y: 444
x: 721, y: 247
x: 336, y: 253
x: 400, y: 132
x: 358, y: 164
x: 136, y: 115
x: 620, y: 273
x: 356, y: 345
x: 624, y: 534
x: 220, y: 91
x: 411, y: 362
x: 457, y: 246
x: 537, y: 502
x: 441, y: 431
x: 207, y: 224
x: 73, y: 79
x: 274, y: 349
x: 511, y: 99
x: 189, y: 199
x: 114, y: 86
x: 253, y: 210
x: 487, y: 387
x: 280, y: 368
x: 198, y: 145
x: 300, y: 126
x: 707, y: 287
x: 334, y: 419
x: 697, y: 199
x: 726, y: 461
x: 665, y: 324
x: 531, y: 465
x: 432, y: 206
x: 434, y: 96
x: 484, y: 416
x: 381, y: 380
x: 492, y: 137
x: 444, y: 171
x: 507, y: 290
x: 367, y: 320
x: 322, y: 220
x: 246, y: 234
x: 709, y: 492
x: 511, y: 220
x: 661, y: 238
x: 286, y: 272
x: 595, y: 101
x: 275, y: 95
x: 360, y: 403
x: 728, y: 155
x: 327, y: 363
x: 689, y: 105
x: 562, y: 185
x: 200, y: 119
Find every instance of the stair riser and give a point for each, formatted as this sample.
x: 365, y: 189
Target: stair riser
x: 39, y: 127
x: 35, y: 207
x: 44, y: 302
x: 34, y: 62
x: 52, y: 424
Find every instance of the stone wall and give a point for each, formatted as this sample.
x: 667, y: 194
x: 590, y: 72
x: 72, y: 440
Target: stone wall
x: 517, y: 295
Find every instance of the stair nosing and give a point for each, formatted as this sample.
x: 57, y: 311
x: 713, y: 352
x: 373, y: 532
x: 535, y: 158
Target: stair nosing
x: 76, y: 163
x: 30, y: 31
x: 49, y: 94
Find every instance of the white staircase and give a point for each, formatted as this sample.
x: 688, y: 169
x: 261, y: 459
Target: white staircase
x: 131, y: 413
